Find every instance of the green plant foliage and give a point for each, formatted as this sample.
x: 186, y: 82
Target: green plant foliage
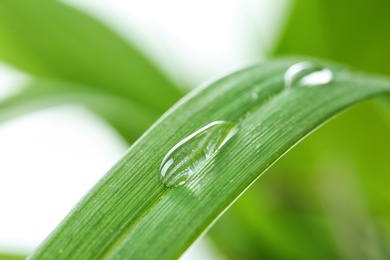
x: 11, y: 257
x: 129, y: 119
x: 352, y: 32
x: 49, y: 39
x: 327, y: 199
x: 131, y: 214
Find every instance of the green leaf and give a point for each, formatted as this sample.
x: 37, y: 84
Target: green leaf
x: 128, y: 118
x: 354, y: 32
x: 130, y: 214
x: 4, y: 256
x: 50, y: 39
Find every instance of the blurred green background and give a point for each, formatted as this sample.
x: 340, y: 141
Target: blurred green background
x: 326, y: 199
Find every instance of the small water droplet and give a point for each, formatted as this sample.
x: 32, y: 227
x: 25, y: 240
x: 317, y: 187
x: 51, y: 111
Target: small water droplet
x: 255, y: 93
x: 190, y: 153
x: 307, y: 74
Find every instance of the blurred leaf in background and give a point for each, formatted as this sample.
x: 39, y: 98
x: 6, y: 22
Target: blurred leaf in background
x: 327, y: 199
x: 48, y: 39
x: 44, y: 93
x: 11, y: 257
x: 351, y: 32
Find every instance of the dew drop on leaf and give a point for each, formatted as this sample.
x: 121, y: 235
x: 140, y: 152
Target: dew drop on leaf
x: 183, y: 159
x: 307, y: 74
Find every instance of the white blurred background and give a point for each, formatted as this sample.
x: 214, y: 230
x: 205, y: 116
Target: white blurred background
x: 51, y: 158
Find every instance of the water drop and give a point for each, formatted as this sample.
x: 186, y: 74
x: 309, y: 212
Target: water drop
x: 190, y: 153
x: 255, y: 93
x: 307, y: 74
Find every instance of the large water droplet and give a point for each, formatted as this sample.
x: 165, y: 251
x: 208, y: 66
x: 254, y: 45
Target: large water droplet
x: 307, y: 74
x: 190, y: 153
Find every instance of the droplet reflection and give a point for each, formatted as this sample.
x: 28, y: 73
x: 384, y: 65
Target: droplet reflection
x: 190, y: 153
x: 307, y: 74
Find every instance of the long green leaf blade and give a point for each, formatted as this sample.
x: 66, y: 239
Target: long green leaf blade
x: 130, y: 214
x: 50, y: 39
x: 128, y: 118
